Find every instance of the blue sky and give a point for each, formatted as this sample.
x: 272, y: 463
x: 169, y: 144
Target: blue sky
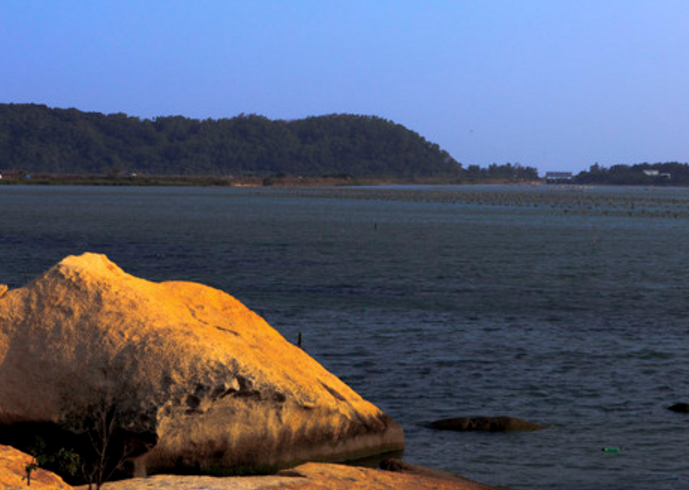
x: 555, y: 84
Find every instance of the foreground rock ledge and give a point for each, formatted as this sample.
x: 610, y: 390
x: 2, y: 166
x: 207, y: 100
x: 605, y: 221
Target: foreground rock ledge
x: 309, y: 476
x: 313, y: 476
x: 13, y: 465
x: 205, y: 383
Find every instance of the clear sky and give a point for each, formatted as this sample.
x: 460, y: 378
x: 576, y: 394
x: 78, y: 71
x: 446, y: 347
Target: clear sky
x: 555, y: 84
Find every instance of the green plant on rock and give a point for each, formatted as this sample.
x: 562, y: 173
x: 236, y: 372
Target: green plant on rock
x: 29, y: 468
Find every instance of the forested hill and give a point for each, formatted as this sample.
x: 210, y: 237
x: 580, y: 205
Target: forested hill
x: 39, y: 139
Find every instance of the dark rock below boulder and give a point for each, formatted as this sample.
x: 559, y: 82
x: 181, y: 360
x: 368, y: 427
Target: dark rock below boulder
x: 679, y: 407
x: 485, y: 424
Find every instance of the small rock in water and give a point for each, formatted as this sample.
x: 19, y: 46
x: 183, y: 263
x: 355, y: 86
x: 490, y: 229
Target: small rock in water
x: 485, y: 424
x: 679, y: 407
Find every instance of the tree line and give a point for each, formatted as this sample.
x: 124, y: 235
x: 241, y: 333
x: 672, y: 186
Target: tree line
x: 668, y: 173
x: 40, y: 139
x: 507, y: 172
x: 37, y: 139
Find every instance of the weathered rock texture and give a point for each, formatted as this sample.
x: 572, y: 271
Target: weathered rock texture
x: 13, y: 465
x: 310, y: 476
x: 486, y: 424
x: 207, y: 383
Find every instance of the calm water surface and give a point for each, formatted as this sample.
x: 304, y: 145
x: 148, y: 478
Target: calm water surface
x: 565, y: 306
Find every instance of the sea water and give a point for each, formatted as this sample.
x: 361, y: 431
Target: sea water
x: 565, y: 306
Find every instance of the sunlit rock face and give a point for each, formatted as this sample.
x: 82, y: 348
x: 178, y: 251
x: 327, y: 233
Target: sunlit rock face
x: 13, y: 473
x: 204, y: 382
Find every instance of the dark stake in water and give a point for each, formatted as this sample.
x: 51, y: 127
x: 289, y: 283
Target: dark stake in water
x: 568, y: 307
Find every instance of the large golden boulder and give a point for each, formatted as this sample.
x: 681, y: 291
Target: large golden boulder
x: 201, y: 382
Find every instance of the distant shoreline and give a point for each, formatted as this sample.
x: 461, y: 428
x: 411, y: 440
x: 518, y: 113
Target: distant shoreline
x: 278, y: 181
x: 230, y: 181
x: 188, y: 181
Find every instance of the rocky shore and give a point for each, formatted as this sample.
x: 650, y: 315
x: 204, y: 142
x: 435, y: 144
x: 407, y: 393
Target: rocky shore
x: 109, y: 376
x: 185, y: 377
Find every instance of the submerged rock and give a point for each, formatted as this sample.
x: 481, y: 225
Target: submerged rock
x: 198, y: 381
x: 679, y: 407
x: 486, y: 424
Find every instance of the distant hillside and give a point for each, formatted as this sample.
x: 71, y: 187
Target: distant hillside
x: 38, y: 139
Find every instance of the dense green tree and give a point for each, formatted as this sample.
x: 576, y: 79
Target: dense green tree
x: 669, y: 173
x: 39, y: 139
x: 503, y: 173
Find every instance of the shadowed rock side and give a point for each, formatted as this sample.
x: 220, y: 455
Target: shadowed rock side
x: 13, y: 465
x: 485, y: 424
x: 206, y: 383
